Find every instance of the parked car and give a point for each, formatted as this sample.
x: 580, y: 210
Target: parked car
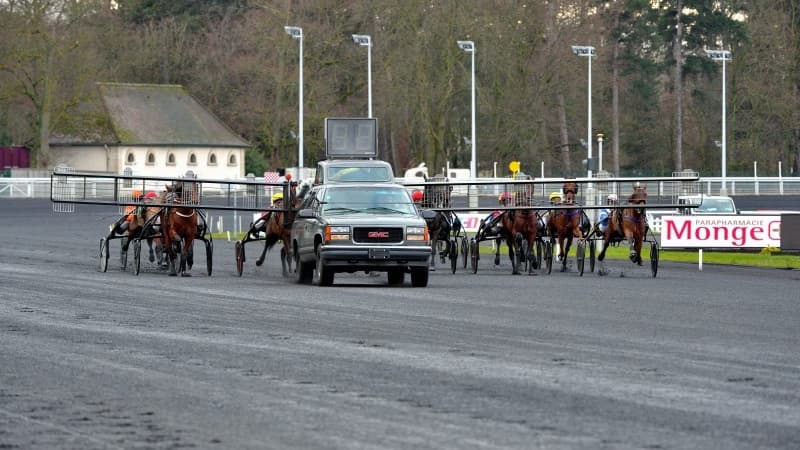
x: 350, y: 227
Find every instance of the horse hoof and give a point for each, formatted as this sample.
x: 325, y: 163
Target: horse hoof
x: 259, y: 262
x: 602, y: 273
x: 186, y: 274
x: 173, y: 274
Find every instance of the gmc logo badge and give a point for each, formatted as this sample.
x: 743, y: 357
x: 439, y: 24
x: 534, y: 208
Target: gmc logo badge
x: 378, y: 234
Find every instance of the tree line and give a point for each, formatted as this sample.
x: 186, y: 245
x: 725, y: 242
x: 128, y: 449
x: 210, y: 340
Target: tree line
x: 656, y: 95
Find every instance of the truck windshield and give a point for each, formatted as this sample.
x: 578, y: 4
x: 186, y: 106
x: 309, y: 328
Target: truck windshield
x: 716, y: 205
x: 384, y: 200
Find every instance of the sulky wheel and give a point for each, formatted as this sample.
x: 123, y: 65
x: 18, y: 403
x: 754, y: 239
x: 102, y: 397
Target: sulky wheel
x: 464, y: 251
x: 103, y: 254
x: 538, y: 264
x: 474, y: 255
x: 453, y: 255
x: 592, y: 251
x: 239, y: 257
x: 209, y: 254
x: 654, y: 258
x: 580, y: 255
x: 137, y: 256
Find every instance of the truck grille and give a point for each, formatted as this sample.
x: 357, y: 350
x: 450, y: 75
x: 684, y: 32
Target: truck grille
x: 378, y: 235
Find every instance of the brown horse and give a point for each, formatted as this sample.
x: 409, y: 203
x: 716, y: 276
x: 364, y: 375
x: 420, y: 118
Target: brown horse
x: 629, y: 224
x: 179, y: 223
x: 145, y: 224
x: 566, y: 224
x: 277, y: 226
x: 519, y: 231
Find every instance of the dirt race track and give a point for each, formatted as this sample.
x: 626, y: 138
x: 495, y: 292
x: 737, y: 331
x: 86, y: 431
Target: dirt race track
x: 92, y: 360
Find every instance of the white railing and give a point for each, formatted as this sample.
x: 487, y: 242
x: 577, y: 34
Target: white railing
x: 40, y: 187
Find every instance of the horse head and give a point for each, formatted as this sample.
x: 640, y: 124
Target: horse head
x: 570, y: 189
x: 639, y: 195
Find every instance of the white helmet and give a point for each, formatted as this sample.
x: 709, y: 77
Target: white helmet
x: 612, y: 198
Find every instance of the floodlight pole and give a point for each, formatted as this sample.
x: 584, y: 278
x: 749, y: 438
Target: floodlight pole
x: 469, y: 47
x: 365, y: 40
x: 297, y: 33
x: 588, y: 52
x: 724, y: 56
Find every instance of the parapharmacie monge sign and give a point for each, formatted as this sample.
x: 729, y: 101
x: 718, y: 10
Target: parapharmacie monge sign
x: 721, y: 231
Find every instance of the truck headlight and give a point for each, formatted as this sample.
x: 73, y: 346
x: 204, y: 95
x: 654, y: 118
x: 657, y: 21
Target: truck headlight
x: 417, y: 234
x: 337, y: 233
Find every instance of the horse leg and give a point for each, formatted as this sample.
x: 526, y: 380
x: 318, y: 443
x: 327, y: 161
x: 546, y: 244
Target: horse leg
x: 172, y: 255
x: 497, y: 252
x: 568, y: 244
x: 260, y: 259
x: 637, y: 249
x: 152, y: 256
x: 286, y: 260
x: 633, y: 249
x: 434, y: 251
x: 186, y: 256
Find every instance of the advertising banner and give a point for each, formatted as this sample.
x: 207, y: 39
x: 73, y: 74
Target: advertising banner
x: 736, y: 231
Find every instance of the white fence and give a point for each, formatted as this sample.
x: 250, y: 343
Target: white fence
x: 40, y: 187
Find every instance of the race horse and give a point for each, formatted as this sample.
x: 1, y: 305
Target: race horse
x: 179, y: 224
x: 276, y: 225
x: 145, y: 224
x: 628, y: 223
x: 565, y: 224
x: 520, y: 226
x: 440, y: 223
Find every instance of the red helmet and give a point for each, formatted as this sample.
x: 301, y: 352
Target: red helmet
x: 504, y: 197
x: 151, y: 195
x: 417, y: 196
x: 288, y: 177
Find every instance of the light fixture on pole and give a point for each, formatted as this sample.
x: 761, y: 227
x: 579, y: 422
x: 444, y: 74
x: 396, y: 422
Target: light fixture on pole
x: 724, y: 56
x: 588, y: 52
x: 599, y: 152
x: 469, y: 47
x: 297, y: 33
x: 365, y: 40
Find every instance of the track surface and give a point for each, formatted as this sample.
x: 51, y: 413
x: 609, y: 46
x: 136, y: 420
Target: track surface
x: 92, y: 360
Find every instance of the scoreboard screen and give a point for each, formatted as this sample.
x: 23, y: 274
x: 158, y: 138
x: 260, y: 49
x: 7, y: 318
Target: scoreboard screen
x: 351, y: 137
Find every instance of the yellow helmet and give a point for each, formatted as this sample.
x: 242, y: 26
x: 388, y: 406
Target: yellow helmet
x: 136, y: 195
x: 277, y: 196
x: 555, y: 195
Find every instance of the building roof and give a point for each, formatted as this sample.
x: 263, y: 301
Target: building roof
x: 153, y: 114
x: 163, y: 114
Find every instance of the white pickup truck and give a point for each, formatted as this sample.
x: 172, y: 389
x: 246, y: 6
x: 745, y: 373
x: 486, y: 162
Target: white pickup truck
x: 696, y: 205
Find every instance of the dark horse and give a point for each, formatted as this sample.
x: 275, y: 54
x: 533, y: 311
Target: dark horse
x: 566, y: 224
x: 179, y: 224
x: 440, y: 223
x: 277, y: 226
x: 628, y: 224
x: 519, y: 231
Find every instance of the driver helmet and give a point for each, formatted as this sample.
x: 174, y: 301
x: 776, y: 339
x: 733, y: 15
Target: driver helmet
x: 151, y: 195
x: 136, y: 195
x: 278, y: 196
x: 612, y: 198
x: 288, y: 177
x: 416, y: 196
x: 504, y: 197
x: 554, y: 196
